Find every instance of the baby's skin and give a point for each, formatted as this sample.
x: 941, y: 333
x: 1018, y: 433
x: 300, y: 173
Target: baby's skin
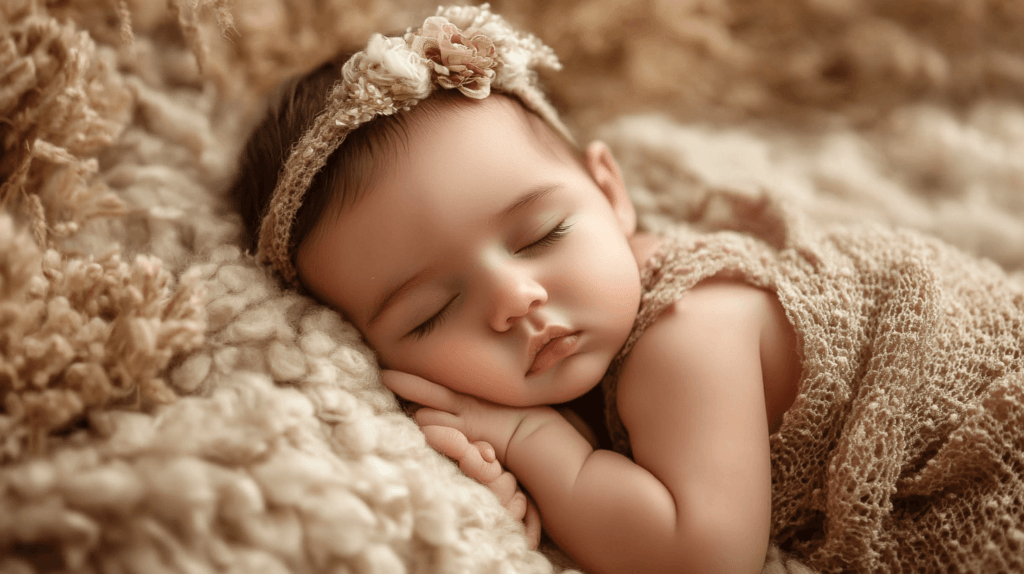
x: 496, y: 275
x: 478, y: 461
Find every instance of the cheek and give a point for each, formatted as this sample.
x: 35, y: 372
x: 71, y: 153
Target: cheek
x: 455, y: 358
x: 604, y: 270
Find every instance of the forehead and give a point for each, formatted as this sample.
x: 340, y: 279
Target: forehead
x: 458, y: 166
x: 476, y: 153
x: 503, y: 115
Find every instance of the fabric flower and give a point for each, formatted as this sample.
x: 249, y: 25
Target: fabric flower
x: 388, y: 65
x: 464, y: 60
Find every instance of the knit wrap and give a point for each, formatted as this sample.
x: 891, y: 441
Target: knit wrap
x: 904, y: 448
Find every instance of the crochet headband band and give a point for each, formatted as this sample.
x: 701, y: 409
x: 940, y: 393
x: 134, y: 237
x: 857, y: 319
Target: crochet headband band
x: 465, y: 48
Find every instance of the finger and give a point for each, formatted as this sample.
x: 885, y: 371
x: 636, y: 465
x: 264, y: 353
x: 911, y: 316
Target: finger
x: 427, y: 416
x: 479, y: 469
x: 504, y: 486
x: 447, y: 440
x: 420, y: 390
x: 517, y: 506
x: 453, y: 444
x: 476, y: 467
x: 486, y: 450
x: 532, y: 523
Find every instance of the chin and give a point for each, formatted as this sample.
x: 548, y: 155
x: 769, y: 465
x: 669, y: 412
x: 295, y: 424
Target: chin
x: 578, y: 382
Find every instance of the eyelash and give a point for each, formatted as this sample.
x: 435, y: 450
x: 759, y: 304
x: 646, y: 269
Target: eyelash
x: 433, y: 322
x: 560, y: 231
x: 553, y: 236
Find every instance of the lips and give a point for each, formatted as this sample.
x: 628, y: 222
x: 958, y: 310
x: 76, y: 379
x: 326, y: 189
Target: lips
x: 550, y: 347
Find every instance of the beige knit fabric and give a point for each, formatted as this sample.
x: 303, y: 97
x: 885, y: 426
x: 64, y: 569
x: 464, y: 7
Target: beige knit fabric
x: 904, y: 449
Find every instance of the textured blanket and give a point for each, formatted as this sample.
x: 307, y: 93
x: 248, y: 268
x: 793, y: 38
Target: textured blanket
x: 167, y: 408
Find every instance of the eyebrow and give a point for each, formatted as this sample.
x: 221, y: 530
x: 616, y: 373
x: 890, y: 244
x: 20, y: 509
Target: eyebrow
x: 393, y: 296
x: 533, y: 195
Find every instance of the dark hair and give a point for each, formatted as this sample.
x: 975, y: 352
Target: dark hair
x: 349, y: 171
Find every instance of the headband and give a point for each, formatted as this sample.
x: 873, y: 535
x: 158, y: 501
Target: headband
x: 467, y: 48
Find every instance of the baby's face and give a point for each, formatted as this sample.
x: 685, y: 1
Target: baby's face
x: 484, y: 236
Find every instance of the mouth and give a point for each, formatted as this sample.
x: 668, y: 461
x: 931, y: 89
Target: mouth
x: 551, y: 347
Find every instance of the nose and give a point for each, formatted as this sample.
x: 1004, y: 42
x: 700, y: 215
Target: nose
x: 515, y: 294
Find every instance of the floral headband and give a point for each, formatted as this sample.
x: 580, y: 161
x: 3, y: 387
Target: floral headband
x: 462, y: 47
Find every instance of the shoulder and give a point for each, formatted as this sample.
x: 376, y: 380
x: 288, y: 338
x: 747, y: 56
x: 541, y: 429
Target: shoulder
x: 712, y: 333
x: 716, y: 307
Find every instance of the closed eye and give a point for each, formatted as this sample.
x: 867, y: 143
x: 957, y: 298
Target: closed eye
x: 560, y: 231
x: 433, y: 322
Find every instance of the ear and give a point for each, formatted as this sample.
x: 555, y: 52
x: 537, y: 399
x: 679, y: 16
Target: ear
x: 605, y: 171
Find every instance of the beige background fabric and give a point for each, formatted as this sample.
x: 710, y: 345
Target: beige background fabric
x: 166, y: 407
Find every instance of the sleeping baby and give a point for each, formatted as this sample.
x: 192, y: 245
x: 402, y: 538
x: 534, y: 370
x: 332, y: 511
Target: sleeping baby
x: 850, y: 394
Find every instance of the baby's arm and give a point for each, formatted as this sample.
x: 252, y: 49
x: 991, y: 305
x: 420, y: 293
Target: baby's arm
x: 477, y: 460
x: 697, y: 498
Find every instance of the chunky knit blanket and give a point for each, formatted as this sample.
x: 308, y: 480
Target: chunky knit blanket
x: 167, y: 408
x: 904, y: 448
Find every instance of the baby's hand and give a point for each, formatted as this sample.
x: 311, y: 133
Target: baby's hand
x: 478, y: 462
x: 477, y: 419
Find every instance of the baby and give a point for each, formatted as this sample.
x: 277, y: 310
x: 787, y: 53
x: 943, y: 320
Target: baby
x: 495, y: 264
x: 437, y: 202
